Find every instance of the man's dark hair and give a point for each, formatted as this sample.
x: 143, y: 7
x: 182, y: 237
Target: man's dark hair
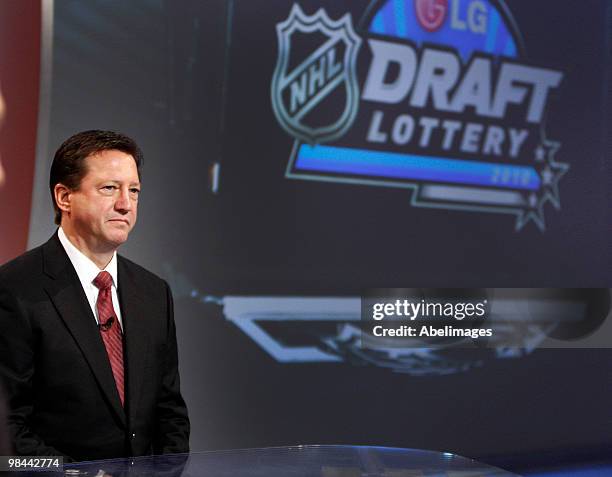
x: 68, y: 166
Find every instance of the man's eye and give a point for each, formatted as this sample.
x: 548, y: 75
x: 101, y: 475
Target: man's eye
x: 108, y: 188
x: 135, y: 192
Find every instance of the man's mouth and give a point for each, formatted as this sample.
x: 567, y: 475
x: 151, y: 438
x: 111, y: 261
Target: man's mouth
x: 124, y: 221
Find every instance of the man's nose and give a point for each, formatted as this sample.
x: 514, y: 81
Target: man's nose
x: 124, y: 202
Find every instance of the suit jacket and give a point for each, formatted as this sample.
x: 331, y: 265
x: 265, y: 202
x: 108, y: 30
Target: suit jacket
x: 62, y: 395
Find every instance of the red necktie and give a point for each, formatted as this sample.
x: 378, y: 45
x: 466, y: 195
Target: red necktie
x: 109, y: 328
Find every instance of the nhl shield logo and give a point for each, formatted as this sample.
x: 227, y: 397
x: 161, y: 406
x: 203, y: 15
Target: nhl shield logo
x: 314, y: 87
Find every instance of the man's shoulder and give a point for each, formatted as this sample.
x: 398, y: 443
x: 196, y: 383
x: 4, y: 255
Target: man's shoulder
x: 23, y: 268
x: 138, y: 272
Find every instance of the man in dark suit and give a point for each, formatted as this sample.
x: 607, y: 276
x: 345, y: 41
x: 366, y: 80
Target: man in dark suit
x: 88, y: 350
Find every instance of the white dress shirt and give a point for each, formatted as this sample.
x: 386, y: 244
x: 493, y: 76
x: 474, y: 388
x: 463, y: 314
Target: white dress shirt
x: 88, y: 271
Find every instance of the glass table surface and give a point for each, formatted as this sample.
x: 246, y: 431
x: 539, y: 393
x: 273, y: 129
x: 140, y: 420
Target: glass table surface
x: 295, y: 461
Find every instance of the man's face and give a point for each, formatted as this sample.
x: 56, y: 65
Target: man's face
x: 104, y: 208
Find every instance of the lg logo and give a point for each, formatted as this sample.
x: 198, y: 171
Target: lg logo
x: 471, y: 16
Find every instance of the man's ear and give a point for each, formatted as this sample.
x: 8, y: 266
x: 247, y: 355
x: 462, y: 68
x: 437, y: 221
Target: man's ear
x: 63, y: 196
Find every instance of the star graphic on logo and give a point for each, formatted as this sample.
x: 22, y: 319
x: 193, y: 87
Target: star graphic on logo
x: 550, y: 172
x: 547, y: 176
x: 534, y: 211
x: 540, y: 153
x: 533, y: 200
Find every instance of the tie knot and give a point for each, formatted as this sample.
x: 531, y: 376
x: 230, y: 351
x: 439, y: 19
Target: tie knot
x: 103, y: 281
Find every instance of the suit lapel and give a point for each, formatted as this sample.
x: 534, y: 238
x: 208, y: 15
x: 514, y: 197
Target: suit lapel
x: 134, y: 314
x: 68, y: 297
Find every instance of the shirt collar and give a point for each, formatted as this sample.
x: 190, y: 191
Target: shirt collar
x: 85, y: 268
